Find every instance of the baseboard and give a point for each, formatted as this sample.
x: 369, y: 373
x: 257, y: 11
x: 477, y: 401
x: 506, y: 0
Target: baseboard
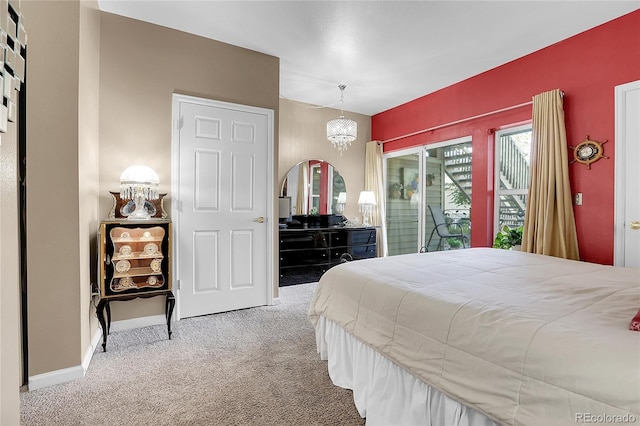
x: 138, y: 322
x: 56, y: 377
x: 275, y: 301
x: 88, y: 355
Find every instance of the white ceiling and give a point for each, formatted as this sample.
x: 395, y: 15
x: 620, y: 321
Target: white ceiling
x: 386, y: 52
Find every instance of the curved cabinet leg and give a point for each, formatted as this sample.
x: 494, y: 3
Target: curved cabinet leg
x: 108, y: 308
x: 170, y: 303
x: 100, y: 313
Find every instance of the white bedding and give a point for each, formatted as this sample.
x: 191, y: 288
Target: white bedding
x: 525, y: 339
x: 383, y: 392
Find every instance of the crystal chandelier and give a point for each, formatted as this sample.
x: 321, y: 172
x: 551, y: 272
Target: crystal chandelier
x: 342, y: 131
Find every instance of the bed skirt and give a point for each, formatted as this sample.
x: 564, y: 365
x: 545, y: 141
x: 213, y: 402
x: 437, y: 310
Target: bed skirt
x: 384, y: 393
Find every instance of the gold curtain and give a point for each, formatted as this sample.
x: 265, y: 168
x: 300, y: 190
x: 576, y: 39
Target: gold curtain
x: 373, y: 181
x: 549, y: 224
x: 303, y: 188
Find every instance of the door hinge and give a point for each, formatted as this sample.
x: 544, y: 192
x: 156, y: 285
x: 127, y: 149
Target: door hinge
x: 179, y: 123
x: 178, y: 284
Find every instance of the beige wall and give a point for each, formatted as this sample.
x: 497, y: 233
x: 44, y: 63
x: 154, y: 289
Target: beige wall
x: 303, y: 136
x: 141, y: 66
x: 88, y: 164
x: 10, y: 365
x: 53, y: 218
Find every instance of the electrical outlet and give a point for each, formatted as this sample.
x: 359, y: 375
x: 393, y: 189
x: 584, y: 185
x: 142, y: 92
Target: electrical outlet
x: 577, y: 198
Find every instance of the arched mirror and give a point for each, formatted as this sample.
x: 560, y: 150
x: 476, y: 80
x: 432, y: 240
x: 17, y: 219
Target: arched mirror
x: 315, y: 187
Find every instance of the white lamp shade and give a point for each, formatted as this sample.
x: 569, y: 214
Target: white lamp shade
x: 342, y: 198
x: 367, y: 197
x: 139, y: 175
x: 141, y: 180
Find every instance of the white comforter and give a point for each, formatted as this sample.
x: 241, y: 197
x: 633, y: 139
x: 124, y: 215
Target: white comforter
x: 525, y: 339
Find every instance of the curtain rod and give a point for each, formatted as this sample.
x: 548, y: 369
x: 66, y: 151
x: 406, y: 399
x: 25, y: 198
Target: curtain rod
x: 462, y: 120
x: 457, y: 122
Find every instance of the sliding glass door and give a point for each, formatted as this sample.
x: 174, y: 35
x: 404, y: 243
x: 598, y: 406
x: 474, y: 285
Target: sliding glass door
x: 402, y: 177
x: 429, y: 197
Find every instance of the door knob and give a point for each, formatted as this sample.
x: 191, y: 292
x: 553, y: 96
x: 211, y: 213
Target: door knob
x: 259, y: 219
x: 635, y: 225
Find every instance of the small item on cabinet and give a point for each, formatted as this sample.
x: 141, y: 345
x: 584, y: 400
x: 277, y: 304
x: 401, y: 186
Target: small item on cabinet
x: 139, y: 183
x: 123, y: 284
x: 152, y: 280
x: 125, y: 251
x: 150, y: 249
x: 123, y: 208
x: 125, y: 236
x: 123, y: 266
x: 146, y: 236
x: 352, y: 223
x: 156, y: 265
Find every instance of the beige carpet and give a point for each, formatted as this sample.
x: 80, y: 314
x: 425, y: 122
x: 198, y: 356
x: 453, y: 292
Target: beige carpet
x: 256, y: 366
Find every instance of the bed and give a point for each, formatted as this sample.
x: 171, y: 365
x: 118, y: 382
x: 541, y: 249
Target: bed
x: 482, y: 336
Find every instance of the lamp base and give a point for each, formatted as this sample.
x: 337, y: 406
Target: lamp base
x: 366, y: 213
x: 140, y: 213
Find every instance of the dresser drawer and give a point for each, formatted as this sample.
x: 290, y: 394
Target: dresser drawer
x: 300, y: 275
x: 304, y: 240
x: 353, y: 253
x: 363, y: 252
x: 304, y: 257
x: 353, y: 236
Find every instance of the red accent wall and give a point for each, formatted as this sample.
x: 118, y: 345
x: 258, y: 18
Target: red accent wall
x: 586, y: 67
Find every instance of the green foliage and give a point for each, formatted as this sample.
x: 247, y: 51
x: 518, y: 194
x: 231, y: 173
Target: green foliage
x: 457, y: 195
x: 508, y: 237
x: 454, y: 242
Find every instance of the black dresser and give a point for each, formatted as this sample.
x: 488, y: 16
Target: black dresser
x: 308, y: 252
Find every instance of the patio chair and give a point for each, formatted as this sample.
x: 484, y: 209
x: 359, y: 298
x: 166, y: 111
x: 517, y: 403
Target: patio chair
x: 445, y: 230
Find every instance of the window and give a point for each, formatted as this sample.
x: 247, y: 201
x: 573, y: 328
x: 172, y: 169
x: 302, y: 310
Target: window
x: 513, y: 151
x: 437, y: 175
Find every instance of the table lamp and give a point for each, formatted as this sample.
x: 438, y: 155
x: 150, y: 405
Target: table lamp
x: 139, y: 183
x: 366, y: 201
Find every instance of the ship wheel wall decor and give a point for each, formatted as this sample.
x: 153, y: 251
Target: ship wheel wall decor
x: 588, y: 151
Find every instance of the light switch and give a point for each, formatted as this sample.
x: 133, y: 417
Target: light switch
x: 577, y: 198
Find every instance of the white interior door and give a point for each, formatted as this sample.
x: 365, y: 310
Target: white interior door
x: 223, y: 239
x: 627, y: 244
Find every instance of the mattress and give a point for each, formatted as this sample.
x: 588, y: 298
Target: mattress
x: 524, y: 339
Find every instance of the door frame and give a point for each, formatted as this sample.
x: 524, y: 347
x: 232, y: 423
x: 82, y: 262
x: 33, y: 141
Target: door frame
x: 497, y: 192
x: 176, y: 204
x: 421, y: 151
x: 620, y: 186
